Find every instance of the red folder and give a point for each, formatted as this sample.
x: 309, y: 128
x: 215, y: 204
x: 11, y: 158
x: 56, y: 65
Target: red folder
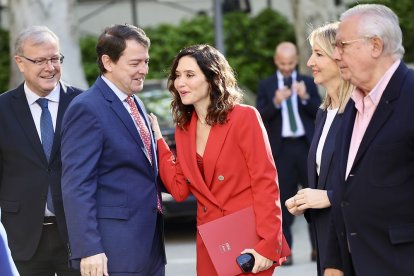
x: 226, y: 237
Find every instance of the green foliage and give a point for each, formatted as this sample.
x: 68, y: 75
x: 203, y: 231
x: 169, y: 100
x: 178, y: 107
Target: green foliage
x: 167, y: 40
x: 250, y: 43
x: 4, y: 60
x: 250, y: 46
x: 88, y: 53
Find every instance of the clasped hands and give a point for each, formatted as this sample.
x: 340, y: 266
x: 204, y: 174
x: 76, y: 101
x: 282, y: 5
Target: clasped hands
x: 284, y: 93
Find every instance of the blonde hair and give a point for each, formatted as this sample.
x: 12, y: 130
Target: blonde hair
x: 324, y: 36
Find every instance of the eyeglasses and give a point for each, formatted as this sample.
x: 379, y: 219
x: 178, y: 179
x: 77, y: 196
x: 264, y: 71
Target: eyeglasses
x: 340, y: 45
x: 42, y: 61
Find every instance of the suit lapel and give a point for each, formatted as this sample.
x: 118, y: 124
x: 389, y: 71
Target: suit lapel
x: 186, y: 144
x: 142, y: 110
x: 348, y: 120
x: 312, y: 177
x: 119, y: 109
x: 24, y: 116
x: 383, y: 110
x: 64, y: 100
x: 328, y: 151
x: 214, y: 145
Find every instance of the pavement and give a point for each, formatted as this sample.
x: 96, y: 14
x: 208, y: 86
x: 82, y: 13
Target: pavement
x: 301, y: 252
x: 180, y: 247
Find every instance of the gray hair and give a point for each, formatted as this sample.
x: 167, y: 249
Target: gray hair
x: 379, y: 21
x: 36, y: 34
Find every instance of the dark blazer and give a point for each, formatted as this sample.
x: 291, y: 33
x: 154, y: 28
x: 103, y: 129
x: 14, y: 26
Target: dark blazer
x: 320, y: 218
x: 109, y: 186
x: 25, y: 174
x: 272, y: 116
x: 372, y: 209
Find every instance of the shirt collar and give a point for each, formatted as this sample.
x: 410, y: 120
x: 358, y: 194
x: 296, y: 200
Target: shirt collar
x: 32, y: 97
x: 121, y: 95
x: 376, y: 93
x: 280, y: 76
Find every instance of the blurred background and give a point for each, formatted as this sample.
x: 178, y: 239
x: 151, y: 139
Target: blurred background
x: 246, y: 31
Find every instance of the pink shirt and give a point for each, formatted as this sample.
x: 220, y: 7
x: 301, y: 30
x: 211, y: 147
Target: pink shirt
x: 366, y: 106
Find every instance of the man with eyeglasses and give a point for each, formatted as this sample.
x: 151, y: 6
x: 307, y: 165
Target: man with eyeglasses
x: 372, y: 229
x: 30, y: 165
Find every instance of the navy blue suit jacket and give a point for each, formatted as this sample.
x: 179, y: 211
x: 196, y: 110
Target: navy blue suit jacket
x: 372, y: 209
x: 272, y: 116
x: 320, y: 218
x: 109, y: 186
x: 25, y: 173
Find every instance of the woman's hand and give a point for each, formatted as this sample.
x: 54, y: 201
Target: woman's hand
x: 260, y: 263
x: 155, y: 126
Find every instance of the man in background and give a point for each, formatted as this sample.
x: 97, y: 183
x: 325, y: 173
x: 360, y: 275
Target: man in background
x: 30, y: 165
x: 288, y: 102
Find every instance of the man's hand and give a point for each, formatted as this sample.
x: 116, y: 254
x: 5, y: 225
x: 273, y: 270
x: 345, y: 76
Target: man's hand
x: 300, y: 89
x: 333, y: 272
x: 293, y: 207
x: 311, y: 198
x: 260, y: 263
x: 95, y: 265
x: 281, y: 95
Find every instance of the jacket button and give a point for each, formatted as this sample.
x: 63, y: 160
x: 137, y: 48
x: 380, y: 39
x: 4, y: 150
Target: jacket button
x: 220, y: 178
x: 187, y: 181
x: 204, y: 209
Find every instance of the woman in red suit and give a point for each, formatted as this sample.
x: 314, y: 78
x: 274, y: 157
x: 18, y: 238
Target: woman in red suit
x: 223, y: 154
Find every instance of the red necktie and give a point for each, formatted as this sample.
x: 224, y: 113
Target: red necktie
x: 145, y: 136
x: 143, y: 130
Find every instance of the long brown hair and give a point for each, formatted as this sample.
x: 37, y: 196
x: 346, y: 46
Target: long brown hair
x: 224, y: 92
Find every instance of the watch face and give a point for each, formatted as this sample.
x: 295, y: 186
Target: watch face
x: 246, y: 262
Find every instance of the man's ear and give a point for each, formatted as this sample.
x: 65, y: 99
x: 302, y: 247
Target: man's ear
x: 107, y: 63
x: 377, y: 46
x: 19, y: 63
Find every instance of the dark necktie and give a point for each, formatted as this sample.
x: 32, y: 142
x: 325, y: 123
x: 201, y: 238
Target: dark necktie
x: 145, y: 136
x: 46, y: 134
x: 292, y: 121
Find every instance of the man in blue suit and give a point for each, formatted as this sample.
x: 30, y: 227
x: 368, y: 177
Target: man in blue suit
x: 288, y: 102
x: 30, y: 163
x: 372, y: 213
x: 110, y: 174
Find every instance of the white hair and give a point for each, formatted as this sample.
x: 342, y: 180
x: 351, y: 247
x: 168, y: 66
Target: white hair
x: 37, y: 34
x: 379, y: 21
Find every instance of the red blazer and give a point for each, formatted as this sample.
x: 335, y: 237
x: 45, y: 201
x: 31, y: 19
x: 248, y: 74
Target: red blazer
x: 239, y: 172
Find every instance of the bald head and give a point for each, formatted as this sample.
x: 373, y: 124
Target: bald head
x: 286, y: 58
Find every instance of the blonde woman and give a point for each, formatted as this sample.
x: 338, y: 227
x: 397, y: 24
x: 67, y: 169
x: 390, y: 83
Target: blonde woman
x: 315, y: 201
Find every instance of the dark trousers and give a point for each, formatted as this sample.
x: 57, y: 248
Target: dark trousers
x: 50, y: 258
x: 291, y: 165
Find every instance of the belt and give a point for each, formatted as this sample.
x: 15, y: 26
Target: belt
x: 49, y: 220
x: 294, y: 138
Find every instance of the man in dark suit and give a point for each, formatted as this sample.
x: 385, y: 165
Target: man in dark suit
x: 110, y: 171
x: 288, y: 102
x: 372, y: 212
x: 30, y: 165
